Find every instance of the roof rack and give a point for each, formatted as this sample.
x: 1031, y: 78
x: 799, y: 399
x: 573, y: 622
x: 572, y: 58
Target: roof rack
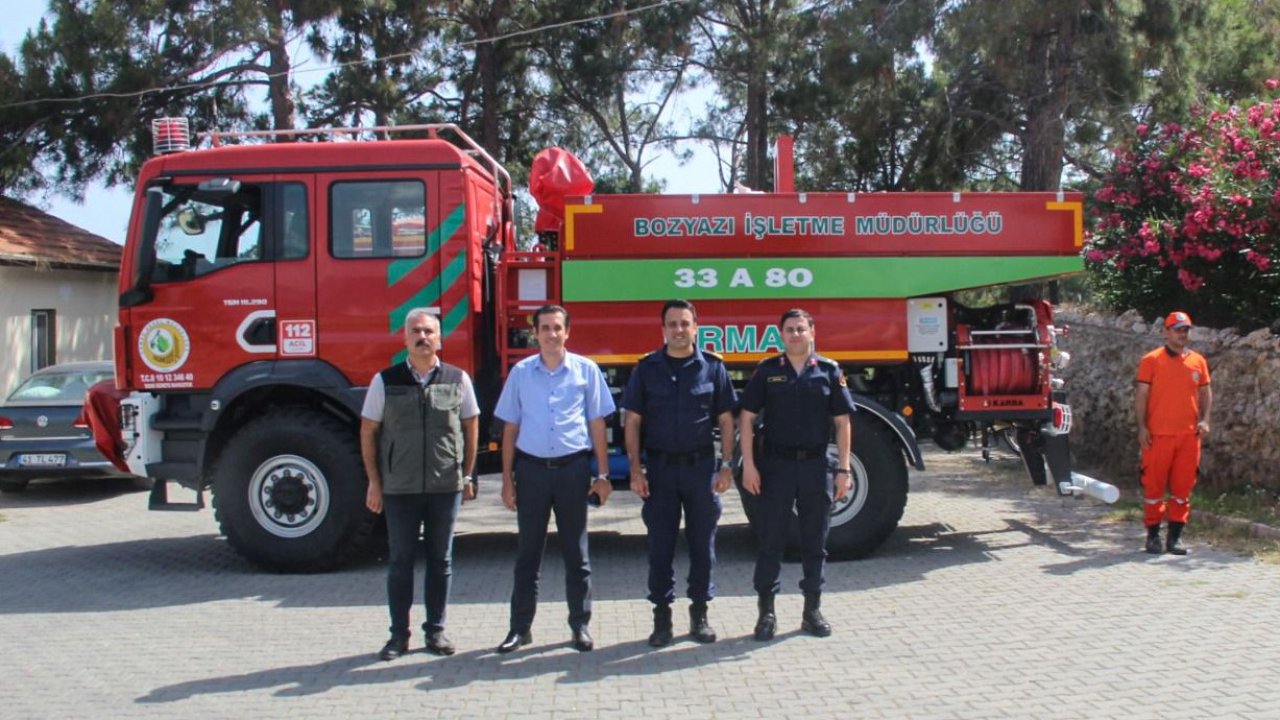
x: 433, y: 130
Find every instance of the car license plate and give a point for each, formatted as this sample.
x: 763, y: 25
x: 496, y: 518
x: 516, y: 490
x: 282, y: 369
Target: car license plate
x: 42, y: 460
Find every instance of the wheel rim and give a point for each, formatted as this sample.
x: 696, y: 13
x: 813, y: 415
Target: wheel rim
x: 289, y: 496
x: 842, y: 511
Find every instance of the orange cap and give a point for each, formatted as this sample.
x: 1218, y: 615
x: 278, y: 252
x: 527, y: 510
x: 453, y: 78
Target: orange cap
x: 1177, y: 319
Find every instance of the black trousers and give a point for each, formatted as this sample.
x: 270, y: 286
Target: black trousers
x: 674, y: 489
x: 804, y: 485
x: 406, y: 516
x: 539, y: 492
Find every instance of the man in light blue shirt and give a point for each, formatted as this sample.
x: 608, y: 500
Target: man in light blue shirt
x: 554, y: 407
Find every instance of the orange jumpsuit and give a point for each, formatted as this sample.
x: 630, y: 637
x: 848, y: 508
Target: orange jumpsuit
x: 1170, y: 464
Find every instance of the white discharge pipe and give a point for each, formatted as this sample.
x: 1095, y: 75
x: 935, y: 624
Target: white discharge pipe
x: 1094, y: 488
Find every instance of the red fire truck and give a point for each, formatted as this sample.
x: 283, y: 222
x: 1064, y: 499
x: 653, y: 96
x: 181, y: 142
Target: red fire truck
x: 264, y: 284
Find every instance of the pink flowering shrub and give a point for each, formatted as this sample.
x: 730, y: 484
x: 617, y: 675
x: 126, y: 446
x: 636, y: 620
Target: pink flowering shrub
x: 1189, y: 218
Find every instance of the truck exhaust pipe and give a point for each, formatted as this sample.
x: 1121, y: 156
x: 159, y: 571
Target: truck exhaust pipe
x: 1094, y: 488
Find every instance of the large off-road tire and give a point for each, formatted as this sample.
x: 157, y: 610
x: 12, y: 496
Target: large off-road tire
x: 871, y: 511
x: 289, y: 491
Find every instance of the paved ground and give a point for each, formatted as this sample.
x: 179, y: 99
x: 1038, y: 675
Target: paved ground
x: 993, y: 600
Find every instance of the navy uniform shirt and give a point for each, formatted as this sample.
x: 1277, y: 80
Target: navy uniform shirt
x: 679, y: 399
x: 797, y: 408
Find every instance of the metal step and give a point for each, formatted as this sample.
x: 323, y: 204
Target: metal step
x: 159, y: 499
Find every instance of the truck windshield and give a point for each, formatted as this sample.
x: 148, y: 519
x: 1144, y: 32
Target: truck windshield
x: 198, y: 235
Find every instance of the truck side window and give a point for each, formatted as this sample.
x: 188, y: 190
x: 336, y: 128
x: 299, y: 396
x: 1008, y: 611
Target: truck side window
x: 196, y: 237
x: 377, y: 219
x: 293, y: 211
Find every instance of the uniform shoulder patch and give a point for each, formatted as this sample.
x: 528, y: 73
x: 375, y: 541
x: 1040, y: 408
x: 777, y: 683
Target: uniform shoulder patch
x: 843, y: 381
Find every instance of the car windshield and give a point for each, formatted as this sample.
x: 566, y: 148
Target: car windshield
x: 59, y: 385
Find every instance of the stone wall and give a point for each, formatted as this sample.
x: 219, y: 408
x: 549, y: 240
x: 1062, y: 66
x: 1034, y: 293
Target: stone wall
x: 1244, y: 445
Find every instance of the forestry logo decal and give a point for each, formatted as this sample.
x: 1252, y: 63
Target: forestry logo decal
x: 164, y: 345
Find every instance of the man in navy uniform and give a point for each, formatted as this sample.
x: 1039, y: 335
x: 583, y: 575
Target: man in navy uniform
x: 801, y: 396
x: 674, y: 400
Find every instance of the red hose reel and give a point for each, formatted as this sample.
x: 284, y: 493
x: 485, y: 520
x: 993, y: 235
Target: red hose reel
x: 1002, y: 371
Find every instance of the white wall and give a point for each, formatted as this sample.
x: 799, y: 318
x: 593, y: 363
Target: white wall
x: 85, y: 303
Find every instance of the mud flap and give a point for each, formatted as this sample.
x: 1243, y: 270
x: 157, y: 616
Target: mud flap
x: 1032, y: 445
x: 1057, y: 454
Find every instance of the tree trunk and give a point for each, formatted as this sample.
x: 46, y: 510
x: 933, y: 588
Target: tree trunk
x: 1048, y: 96
x: 282, y: 106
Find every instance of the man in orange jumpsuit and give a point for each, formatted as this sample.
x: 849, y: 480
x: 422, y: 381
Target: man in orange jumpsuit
x: 1172, y: 406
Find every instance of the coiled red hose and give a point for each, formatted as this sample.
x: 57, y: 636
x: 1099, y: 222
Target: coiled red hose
x: 1002, y: 371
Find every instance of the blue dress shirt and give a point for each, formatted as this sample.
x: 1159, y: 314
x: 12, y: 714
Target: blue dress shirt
x: 553, y: 408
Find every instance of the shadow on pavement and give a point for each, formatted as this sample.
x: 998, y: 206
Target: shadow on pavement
x: 476, y: 666
x: 171, y: 572
x: 58, y: 492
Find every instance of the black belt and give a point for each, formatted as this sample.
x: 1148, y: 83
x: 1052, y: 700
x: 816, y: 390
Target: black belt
x: 792, y: 453
x: 552, y: 463
x: 692, y: 457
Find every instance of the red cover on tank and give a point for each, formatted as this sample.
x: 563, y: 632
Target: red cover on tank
x: 102, y: 412
x: 555, y: 174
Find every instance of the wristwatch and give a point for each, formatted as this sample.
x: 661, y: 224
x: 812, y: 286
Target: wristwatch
x: 726, y: 463
x: 605, y: 478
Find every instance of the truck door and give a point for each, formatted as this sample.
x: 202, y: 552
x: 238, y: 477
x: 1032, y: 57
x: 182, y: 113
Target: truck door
x: 381, y: 260
x: 295, y: 266
x: 212, y: 285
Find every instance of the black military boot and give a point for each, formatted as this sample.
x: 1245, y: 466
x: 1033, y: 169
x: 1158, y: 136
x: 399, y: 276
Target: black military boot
x: 1175, y: 534
x: 1153, y: 538
x: 767, y: 623
x: 699, y: 628
x: 812, y: 621
x: 661, y: 636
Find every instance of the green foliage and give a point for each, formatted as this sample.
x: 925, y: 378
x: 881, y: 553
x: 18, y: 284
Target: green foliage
x: 880, y: 94
x: 1189, y: 217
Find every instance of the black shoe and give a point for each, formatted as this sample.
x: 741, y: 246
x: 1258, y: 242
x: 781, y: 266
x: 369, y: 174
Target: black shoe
x: 766, y: 626
x: 767, y: 622
x: 515, y: 640
x: 813, y: 623
x: 439, y: 644
x: 582, y: 641
x: 662, y: 633
x: 394, y: 648
x: 1175, y: 534
x: 699, y: 628
x: 1153, y: 540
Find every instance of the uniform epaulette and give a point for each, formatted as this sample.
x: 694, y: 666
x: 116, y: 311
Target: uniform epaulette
x: 648, y: 355
x: 713, y: 354
x: 826, y: 361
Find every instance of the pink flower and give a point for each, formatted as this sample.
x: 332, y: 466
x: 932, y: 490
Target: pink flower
x: 1190, y: 280
x: 1260, y: 261
x: 1272, y: 83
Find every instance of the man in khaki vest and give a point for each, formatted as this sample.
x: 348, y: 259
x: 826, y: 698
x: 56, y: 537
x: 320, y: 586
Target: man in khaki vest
x: 418, y: 436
